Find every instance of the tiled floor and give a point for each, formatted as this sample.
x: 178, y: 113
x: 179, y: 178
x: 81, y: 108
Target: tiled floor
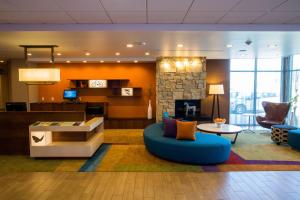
x: 151, y: 185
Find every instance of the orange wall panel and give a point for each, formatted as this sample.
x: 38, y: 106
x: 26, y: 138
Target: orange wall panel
x: 139, y: 75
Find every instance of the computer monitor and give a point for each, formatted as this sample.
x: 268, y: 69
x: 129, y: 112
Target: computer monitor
x: 16, y: 106
x: 70, y: 94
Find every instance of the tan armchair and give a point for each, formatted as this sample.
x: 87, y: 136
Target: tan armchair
x: 275, y: 114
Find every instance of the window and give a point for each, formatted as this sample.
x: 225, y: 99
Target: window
x: 295, y: 89
x: 252, y: 81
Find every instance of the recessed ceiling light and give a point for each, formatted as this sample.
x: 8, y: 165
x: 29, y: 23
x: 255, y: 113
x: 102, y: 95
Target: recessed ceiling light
x: 135, y: 61
x: 59, y: 54
x: 102, y: 61
x: 87, y: 53
x: 229, y: 45
x: 147, y: 53
x: 84, y: 61
x: 117, y: 53
x: 68, y: 61
x: 129, y: 45
x: 179, y: 45
x: 1, y: 61
x: 29, y: 54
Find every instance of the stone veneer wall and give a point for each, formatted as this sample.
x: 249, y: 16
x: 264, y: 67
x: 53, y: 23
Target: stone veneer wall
x: 178, y: 83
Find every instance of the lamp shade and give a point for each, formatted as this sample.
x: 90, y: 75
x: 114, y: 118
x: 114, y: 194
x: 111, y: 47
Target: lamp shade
x: 216, y: 89
x: 39, y: 75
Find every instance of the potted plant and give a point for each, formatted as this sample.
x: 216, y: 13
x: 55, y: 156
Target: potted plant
x: 294, y: 105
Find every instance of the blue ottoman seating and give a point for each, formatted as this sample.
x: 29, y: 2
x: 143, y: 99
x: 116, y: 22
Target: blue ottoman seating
x: 206, y: 149
x: 294, y: 139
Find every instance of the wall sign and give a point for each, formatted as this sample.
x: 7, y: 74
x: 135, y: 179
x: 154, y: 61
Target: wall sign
x: 97, y: 83
x: 127, y: 92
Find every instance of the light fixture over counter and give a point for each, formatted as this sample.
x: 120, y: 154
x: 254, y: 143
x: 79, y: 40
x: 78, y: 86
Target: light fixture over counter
x: 35, y: 76
x: 39, y: 76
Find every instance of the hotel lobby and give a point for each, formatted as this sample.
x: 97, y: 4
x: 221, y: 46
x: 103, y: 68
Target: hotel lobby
x: 148, y: 99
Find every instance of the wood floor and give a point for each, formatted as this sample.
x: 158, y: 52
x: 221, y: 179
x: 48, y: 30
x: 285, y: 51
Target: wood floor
x: 150, y: 186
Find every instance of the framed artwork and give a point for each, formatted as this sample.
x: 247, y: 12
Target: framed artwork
x: 127, y: 92
x: 97, y: 83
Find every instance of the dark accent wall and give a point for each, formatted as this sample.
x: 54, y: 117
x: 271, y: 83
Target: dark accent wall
x: 217, y: 73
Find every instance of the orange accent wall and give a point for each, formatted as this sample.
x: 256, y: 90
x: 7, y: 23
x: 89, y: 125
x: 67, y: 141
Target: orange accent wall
x: 139, y: 75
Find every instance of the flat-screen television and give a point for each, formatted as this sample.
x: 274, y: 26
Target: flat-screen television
x: 16, y: 106
x: 70, y: 94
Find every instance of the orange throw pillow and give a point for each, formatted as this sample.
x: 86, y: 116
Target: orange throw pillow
x: 186, y: 130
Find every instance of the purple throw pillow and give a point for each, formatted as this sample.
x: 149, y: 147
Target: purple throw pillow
x: 170, y: 127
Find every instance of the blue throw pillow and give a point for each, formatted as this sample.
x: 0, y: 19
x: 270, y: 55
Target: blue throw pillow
x: 166, y: 115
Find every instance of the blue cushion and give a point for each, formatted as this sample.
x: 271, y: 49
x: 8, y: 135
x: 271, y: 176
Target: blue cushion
x: 294, y: 139
x: 165, y: 115
x: 206, y: 149
x: 282, y: 126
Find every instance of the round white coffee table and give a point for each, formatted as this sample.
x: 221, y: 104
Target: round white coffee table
x: 224, y: 129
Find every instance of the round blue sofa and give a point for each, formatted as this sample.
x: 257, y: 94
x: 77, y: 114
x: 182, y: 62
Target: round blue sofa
x: 294, y: 139
x: 206, y: 149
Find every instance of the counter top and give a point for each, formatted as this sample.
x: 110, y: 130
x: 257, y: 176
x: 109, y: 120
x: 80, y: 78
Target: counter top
x: 67, y: 126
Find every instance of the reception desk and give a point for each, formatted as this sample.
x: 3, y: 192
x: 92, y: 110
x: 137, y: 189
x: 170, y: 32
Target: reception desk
x: 14, y: 132
x: 43, y: 143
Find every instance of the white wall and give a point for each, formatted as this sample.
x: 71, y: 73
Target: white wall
x: 18, y: 92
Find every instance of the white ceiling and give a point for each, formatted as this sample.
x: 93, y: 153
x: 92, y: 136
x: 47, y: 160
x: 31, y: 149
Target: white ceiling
x: 104, y: 44
x: 162, y: 24
x: 151, y: 11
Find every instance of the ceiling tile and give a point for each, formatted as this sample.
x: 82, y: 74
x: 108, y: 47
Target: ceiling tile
x: 213, y: 5
x: 257, y: 5
x: 203, y: 17
x: 290, y: 5
x: 6, y: 6
x: 89, y: 16
x: 169, y: 5
x: 240, y: 17
x: 137, y: 17
x: 35, y: 17
x: 36, y: 5
x: 165, y: 17
x: 124, y: 5
x: 277, y: 17
x: 79, y: 5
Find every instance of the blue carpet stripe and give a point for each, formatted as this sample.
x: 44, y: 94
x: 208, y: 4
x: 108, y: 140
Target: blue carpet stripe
x: 91, y: 164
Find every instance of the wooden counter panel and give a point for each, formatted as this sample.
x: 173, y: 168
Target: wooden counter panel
x: 14, y: 131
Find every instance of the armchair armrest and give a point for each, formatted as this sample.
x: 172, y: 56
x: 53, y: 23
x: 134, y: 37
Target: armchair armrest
x: 260, y: 118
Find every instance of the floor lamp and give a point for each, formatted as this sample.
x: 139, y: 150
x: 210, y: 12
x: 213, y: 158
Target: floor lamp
x: 216, y: 89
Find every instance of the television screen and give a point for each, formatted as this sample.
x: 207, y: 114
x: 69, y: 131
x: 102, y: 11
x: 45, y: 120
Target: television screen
x: 70, y: 94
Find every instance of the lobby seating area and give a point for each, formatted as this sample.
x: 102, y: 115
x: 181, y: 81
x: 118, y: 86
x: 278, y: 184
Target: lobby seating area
x: 206, y: 149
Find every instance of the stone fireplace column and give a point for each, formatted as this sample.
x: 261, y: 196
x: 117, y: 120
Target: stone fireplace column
x: 178, y: 78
